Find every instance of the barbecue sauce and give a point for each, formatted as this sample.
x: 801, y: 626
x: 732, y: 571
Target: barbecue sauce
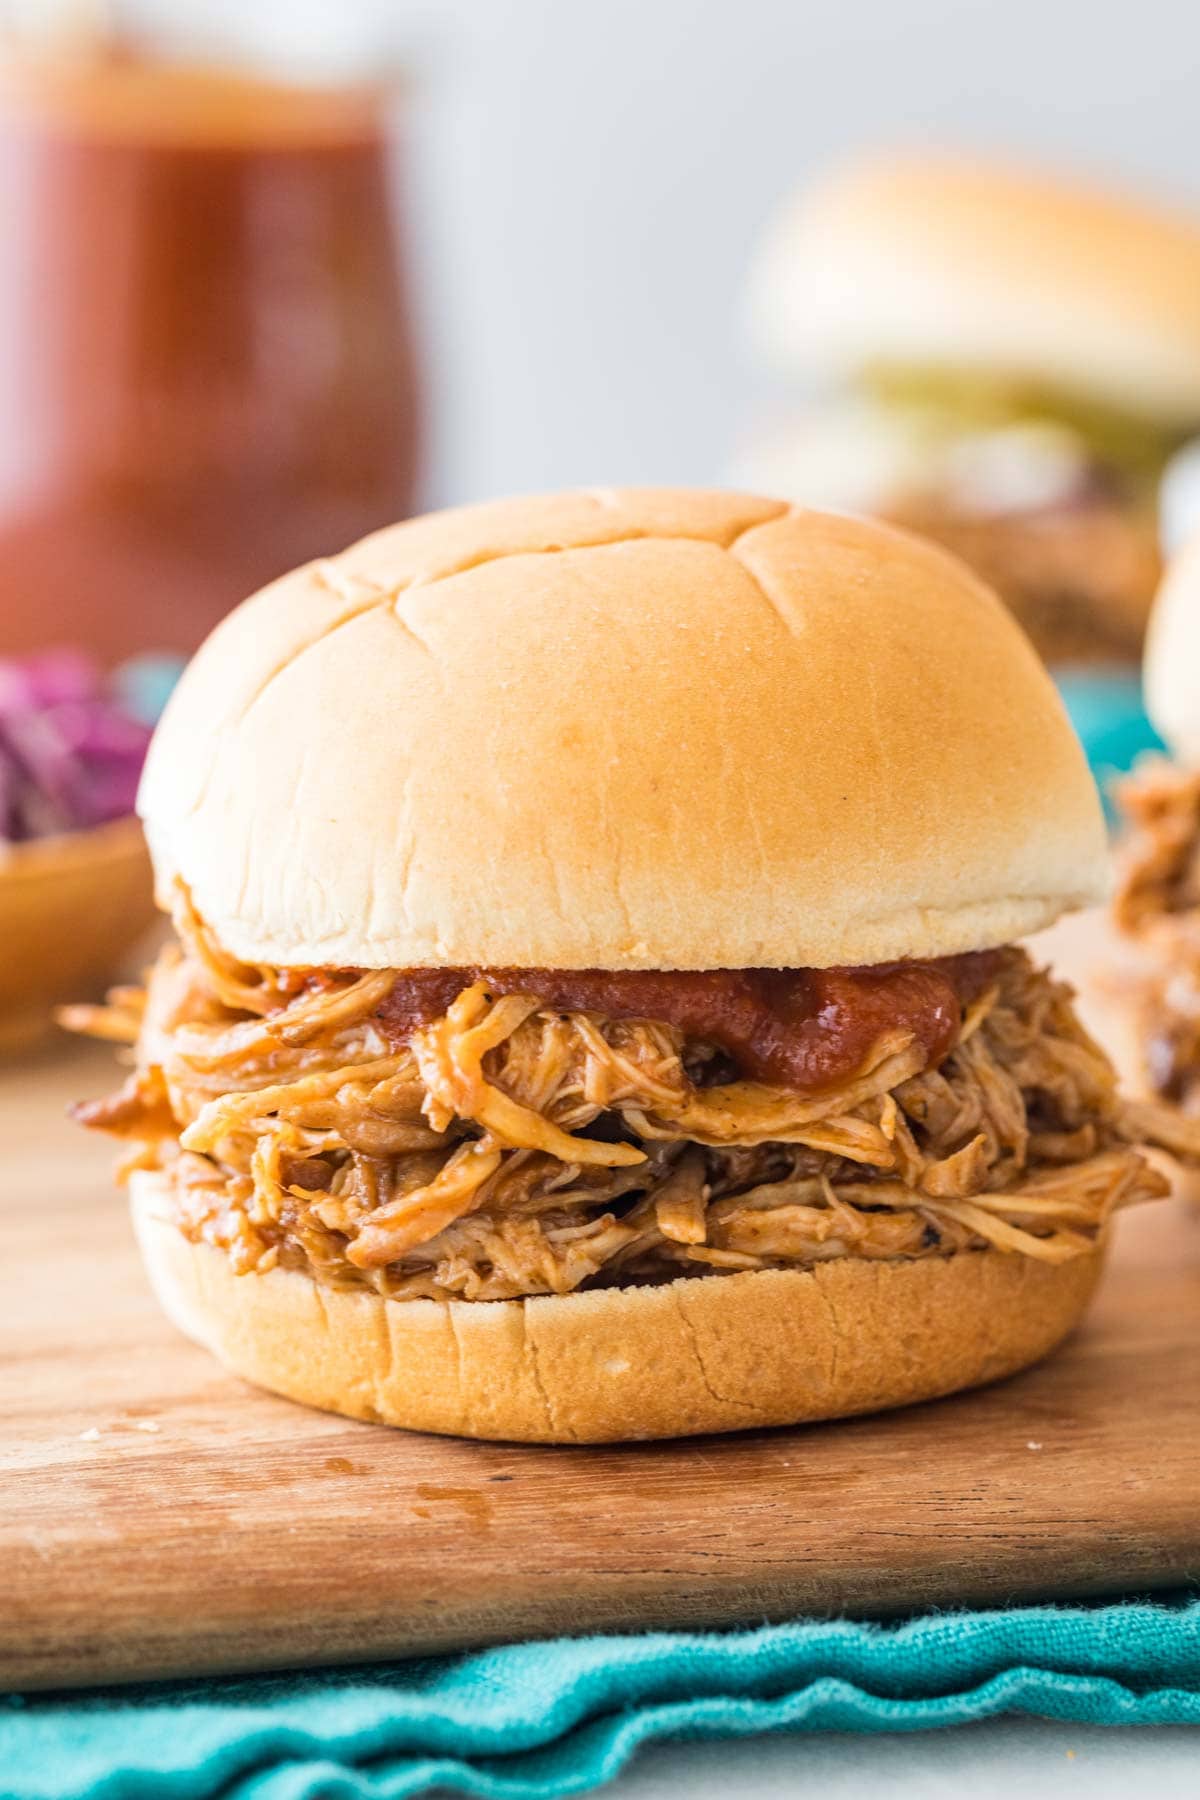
x: 801, y: 1029
x: 206, y: 366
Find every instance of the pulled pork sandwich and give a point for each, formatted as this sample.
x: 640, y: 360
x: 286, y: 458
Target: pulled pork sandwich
x: 1001, y: 361
x: 1156, y: 1031
x: 595, y: 1012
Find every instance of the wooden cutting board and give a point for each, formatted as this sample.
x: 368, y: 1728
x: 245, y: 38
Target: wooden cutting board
x: 159, y: 1518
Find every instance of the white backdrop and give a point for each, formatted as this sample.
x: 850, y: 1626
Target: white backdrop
x: 587, y: 179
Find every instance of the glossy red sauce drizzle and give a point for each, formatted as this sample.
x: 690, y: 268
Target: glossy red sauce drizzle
x: 802, y: 1029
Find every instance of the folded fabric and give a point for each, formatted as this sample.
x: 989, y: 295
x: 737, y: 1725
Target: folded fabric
x: 537, y: 1720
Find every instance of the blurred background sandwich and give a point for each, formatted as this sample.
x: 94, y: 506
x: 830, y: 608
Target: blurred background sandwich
x: 1001, y: 360
x: 1151, y: 978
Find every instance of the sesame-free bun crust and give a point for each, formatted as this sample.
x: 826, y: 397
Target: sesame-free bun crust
x: 710, y: 1353
x: 1172, y: 661
x: 620, y: 730
x: 944, y: 262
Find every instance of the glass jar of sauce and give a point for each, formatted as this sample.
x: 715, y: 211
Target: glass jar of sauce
x: 207, y: 371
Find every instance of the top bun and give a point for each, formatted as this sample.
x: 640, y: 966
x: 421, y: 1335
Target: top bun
x: 622, y: 730
x: 938, y: 262
x: 1172, y: 667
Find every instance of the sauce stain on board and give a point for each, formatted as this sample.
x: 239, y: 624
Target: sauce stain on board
x: 476, y: 1507
x: 341, y: 1465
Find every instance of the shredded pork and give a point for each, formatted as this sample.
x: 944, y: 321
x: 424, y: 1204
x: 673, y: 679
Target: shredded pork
x: 1080, y: 577
x: 1158, y: 908
x: 509, y: 1149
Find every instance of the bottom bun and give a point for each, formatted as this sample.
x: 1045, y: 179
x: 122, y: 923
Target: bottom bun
x: 707, y: 1353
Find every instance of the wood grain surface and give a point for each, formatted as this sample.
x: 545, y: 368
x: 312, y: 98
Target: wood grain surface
x: 157, y: 1517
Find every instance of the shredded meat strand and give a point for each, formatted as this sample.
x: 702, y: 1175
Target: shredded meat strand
x: 1080, y: 576
x: 1157, y: 907
x: 512, y: 1149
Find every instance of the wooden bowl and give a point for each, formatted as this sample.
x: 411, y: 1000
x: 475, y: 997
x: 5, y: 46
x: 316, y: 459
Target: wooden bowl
x: 70, y: 907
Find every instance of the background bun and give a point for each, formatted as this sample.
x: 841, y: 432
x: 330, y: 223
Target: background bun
x: 655, y: 729
x: 715, y: 1353
x: 1172, y: 665
x: 929, y: 260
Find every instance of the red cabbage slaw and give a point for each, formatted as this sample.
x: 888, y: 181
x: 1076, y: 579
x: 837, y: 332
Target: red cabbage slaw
x: 70, y: 751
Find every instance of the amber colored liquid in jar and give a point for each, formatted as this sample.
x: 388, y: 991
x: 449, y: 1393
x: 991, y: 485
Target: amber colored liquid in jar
x: 206, y: 364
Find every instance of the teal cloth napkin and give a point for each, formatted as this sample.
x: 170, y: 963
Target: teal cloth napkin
x: 538, y: 1720
x: 1110, y: 721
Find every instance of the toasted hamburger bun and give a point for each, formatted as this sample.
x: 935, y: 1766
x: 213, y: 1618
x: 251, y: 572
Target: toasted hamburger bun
x: 713, y: 1353
x: 948, y: 263
x: 653, y: 729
